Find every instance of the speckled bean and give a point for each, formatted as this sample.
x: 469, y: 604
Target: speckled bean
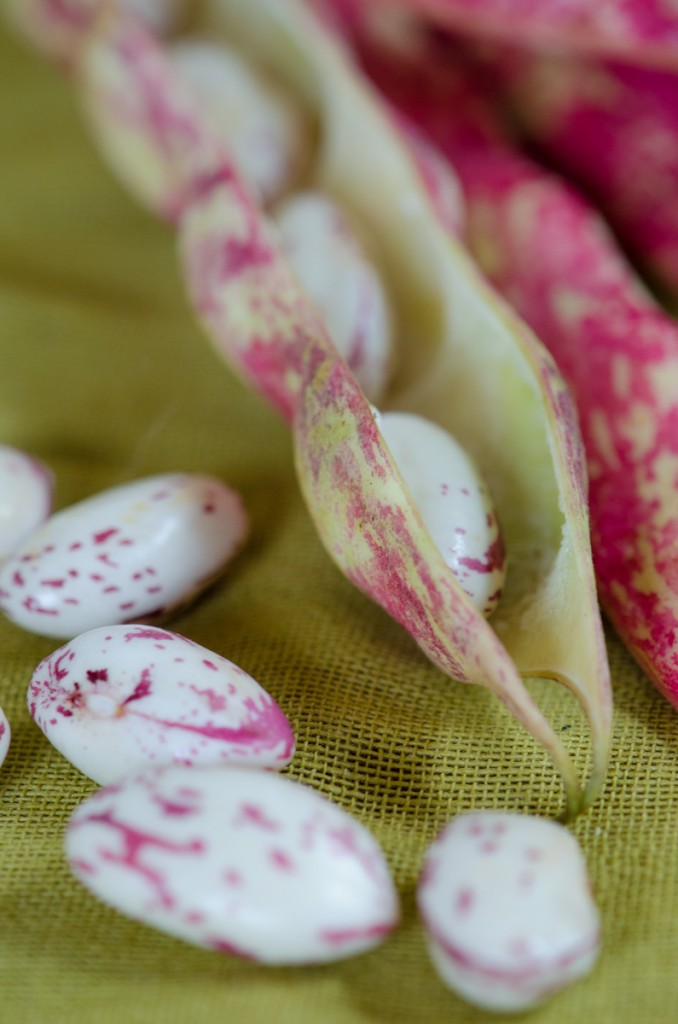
x: 333, y: 266
x: 243, y: 861
x: 507, y: 906
x: 453, y: 502
x: 134, y: 552
x: 264, y: 131
x: 120, y: 698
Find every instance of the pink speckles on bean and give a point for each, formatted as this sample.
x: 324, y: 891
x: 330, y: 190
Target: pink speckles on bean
x: 282, y: 860
x: 133, y: 843
x: 104, y: 535
x: 61, y: 588
x: 466, y: 532
x: 284, y: 903
x: 463, y: 901
x: 175, y: 807
x: 250, y: 814
x: 340, y: 937
x: 215, y: 701
x: 112, y: 718
x: 334, y: 267
x: 144, y: 633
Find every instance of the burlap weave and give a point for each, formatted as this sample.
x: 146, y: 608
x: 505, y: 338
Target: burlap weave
x: 104, y: 375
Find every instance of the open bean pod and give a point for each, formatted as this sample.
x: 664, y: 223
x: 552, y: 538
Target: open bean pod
x: 463, y: 359
x: 547, y: 250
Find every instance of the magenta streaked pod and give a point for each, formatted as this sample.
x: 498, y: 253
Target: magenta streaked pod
x: 118, y: 699
x: 642, y: 32
x: 138, y: 551
x: 333, y: 266
x: 507, y: 907
x: 26, y: 487
x: 614, y: 130
x: 249, y: 863
x: 5, y: 736
x: 449, y: 331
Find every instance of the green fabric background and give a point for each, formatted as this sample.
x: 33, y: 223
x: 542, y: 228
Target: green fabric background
x: 104, y: 375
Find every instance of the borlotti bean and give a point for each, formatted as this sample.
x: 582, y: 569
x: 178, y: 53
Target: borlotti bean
x: 25, y: 497
x: 507, y: 907
x: 138, y: 551
x: 120, y: 698
x: 331, y: 262
x: 247, y: 862
x: 5, y: 735
x: 461, y: 357
x: 264, y: 131
x: 453, y: 501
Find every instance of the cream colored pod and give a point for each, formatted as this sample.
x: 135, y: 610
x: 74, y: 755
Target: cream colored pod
x: 332, y: 264
x: 508, y: 911
x: 25, y: 497
x: 247, y: 862
x: 118, y: 699
x: 138, y: 551
x: 453, y: 502
x: 264, y: 131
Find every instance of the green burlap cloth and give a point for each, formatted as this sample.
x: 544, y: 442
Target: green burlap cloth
x: 104, y: 375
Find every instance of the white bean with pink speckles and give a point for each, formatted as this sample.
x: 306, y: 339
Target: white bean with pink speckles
x: 453, y: 501
x: 121, y: 698
x: 247, y: 862
x: 25, y: 497
x: 507, y: 905
x: 327, y: 254
x: 5, y: 735
x: 265, y: 132
x: 132, y: 553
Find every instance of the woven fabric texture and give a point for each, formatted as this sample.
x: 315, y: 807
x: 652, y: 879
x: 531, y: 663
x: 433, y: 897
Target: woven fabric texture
x: 105, y: 376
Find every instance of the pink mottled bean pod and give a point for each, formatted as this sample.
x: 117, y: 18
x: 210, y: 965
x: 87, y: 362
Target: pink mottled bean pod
x: 250, y: 863
x: 121, y: 698
x: 643, y: 32
x: 138, y: 551
x: 549, y: 253
x: 25, y: 498
x: 449, y: 330
x: 508, y: 911
x: 614, y: 130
